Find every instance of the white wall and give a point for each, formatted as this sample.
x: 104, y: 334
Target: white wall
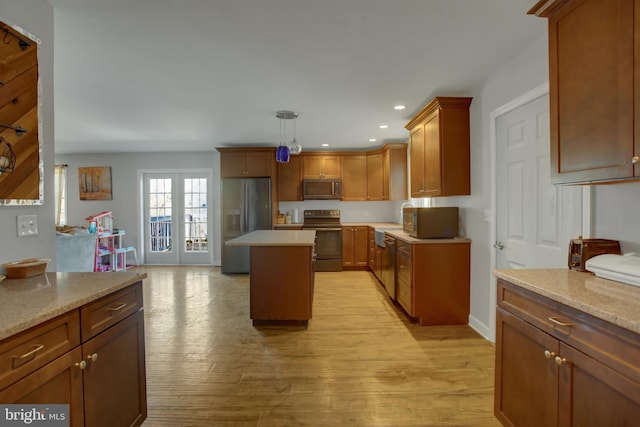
x: 527, y: 70
x: 35, y: 17
x: 125, y: 185
x: 617, y: 214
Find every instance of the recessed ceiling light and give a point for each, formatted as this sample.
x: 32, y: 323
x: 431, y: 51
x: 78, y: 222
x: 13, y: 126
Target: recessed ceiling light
x: 399, y: 107
x: 372, y: 140
x: 384, y: 126
x: 325, y: 145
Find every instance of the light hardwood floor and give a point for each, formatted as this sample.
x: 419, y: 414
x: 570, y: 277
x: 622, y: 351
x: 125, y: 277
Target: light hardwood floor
x: 358, y: 363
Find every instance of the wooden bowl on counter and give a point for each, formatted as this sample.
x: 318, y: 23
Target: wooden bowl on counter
x: 26, y: 268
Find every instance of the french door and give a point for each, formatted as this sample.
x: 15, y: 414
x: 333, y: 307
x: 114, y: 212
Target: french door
x: 176, y: 221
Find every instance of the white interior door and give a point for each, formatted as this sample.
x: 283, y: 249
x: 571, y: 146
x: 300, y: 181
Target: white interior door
x: 176, y: 221
x: 534, y: 219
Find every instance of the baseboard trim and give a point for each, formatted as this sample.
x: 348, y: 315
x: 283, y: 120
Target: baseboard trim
x: 481, y: 328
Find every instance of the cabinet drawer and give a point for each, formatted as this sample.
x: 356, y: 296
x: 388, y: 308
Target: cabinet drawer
x: 615, y: 346
x: 35, y: 347
x: 404, y: 265
x: 404, y: 297
x: 403, y: 248
x: 109, y: 310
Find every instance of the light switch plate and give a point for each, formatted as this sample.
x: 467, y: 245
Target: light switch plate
x: 27, y: 225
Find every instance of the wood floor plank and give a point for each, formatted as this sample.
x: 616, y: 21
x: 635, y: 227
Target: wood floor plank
x: 359, y: 362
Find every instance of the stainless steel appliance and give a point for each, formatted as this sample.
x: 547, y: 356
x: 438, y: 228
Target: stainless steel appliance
x: 322, y: 189
x: 430, y: 223
x: 246, y: 207
x: 328, y: 229
x: 388, y: 270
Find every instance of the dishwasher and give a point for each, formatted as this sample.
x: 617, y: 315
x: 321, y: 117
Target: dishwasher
x: 389, y: 266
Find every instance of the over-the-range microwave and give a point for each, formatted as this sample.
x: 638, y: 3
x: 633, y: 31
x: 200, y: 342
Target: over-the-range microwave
x: 430, y: 223
x: 321, y: 189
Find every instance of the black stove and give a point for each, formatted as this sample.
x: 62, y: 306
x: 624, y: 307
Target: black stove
x: 328, y: 229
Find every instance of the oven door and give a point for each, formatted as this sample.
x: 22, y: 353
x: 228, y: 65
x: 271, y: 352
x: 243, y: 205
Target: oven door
x: 328, y: 248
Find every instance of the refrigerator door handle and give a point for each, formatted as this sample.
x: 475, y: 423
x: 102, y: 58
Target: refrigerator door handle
x: 245, y: 191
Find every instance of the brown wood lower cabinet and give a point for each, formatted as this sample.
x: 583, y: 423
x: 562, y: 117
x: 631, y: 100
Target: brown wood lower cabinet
x: 556, y: 366
x: 355, y: 246
x: 281, y: 283
x: 102, y: 379
x: 432, y: 281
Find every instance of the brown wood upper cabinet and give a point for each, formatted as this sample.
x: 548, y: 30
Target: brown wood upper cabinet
x: 439, y: 147
x: 375, y: 175
x: 321, y: 166
x: 354, y: 177
x: 246, y: 162
x: 594, y: 89
x: 290, y: 179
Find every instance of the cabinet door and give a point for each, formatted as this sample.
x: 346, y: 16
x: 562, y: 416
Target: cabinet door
x: 594, y: 395
x: 59, y: 382
x: 348, y: 242
x: 354, y: 178
x: 233, y: 164
x: 115, y: 382
x: 432, y: 158
x: 290, y: 180
x: 331, y: 166
x: 375, y: 178
x: 259, y: 163
x: 417, y: 161
x: 526, y: 381
x: 591, y: 64
x: 360, y: 246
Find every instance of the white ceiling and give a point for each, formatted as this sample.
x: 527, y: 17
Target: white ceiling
x: 190, y: 75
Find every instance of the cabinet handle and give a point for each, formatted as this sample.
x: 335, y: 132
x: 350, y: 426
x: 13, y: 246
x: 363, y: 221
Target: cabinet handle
x: 81, y: 364
x: 118, y: 308
x: 560, y: 360
x: 549, y: 354
x: 93, y: 357
x: 559, y: 323
x: 29, y: 353
x: 635, y: 160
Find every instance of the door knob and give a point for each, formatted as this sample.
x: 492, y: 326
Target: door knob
x: 498, y: 245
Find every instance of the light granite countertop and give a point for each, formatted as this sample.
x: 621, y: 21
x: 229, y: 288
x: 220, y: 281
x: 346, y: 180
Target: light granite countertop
x: 399, y: 234
x: 614, y: 302
x: 275, y: 238
x: 28, y: 302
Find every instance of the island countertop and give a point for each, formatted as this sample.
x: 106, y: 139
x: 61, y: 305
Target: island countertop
x: 614, y: 302
x: 275, y: 238
x: 28, y: 302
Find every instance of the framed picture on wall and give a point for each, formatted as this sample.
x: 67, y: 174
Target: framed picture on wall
x: 95, y: 183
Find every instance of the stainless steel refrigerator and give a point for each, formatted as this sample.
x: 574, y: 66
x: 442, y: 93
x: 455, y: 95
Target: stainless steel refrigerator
x: 246, y: 207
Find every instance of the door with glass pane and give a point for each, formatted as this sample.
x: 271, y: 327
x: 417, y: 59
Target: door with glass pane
x: 176, y: 220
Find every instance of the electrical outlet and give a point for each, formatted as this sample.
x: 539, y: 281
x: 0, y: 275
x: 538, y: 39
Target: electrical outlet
x: 27, y: 225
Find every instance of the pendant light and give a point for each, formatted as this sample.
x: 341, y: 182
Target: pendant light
x: 284, y: 151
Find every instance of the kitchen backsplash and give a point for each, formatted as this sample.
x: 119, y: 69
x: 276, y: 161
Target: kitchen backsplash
x: 350, y: 211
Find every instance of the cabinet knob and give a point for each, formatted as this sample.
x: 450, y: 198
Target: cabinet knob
x: 93, y: 357
x: 560, y: 360
x: 81, y: 364
x: 549, y: 354
x: 635, y: 160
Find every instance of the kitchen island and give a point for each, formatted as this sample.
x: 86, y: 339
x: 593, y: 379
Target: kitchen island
x: 76, y: 339
x: 281, y: 275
